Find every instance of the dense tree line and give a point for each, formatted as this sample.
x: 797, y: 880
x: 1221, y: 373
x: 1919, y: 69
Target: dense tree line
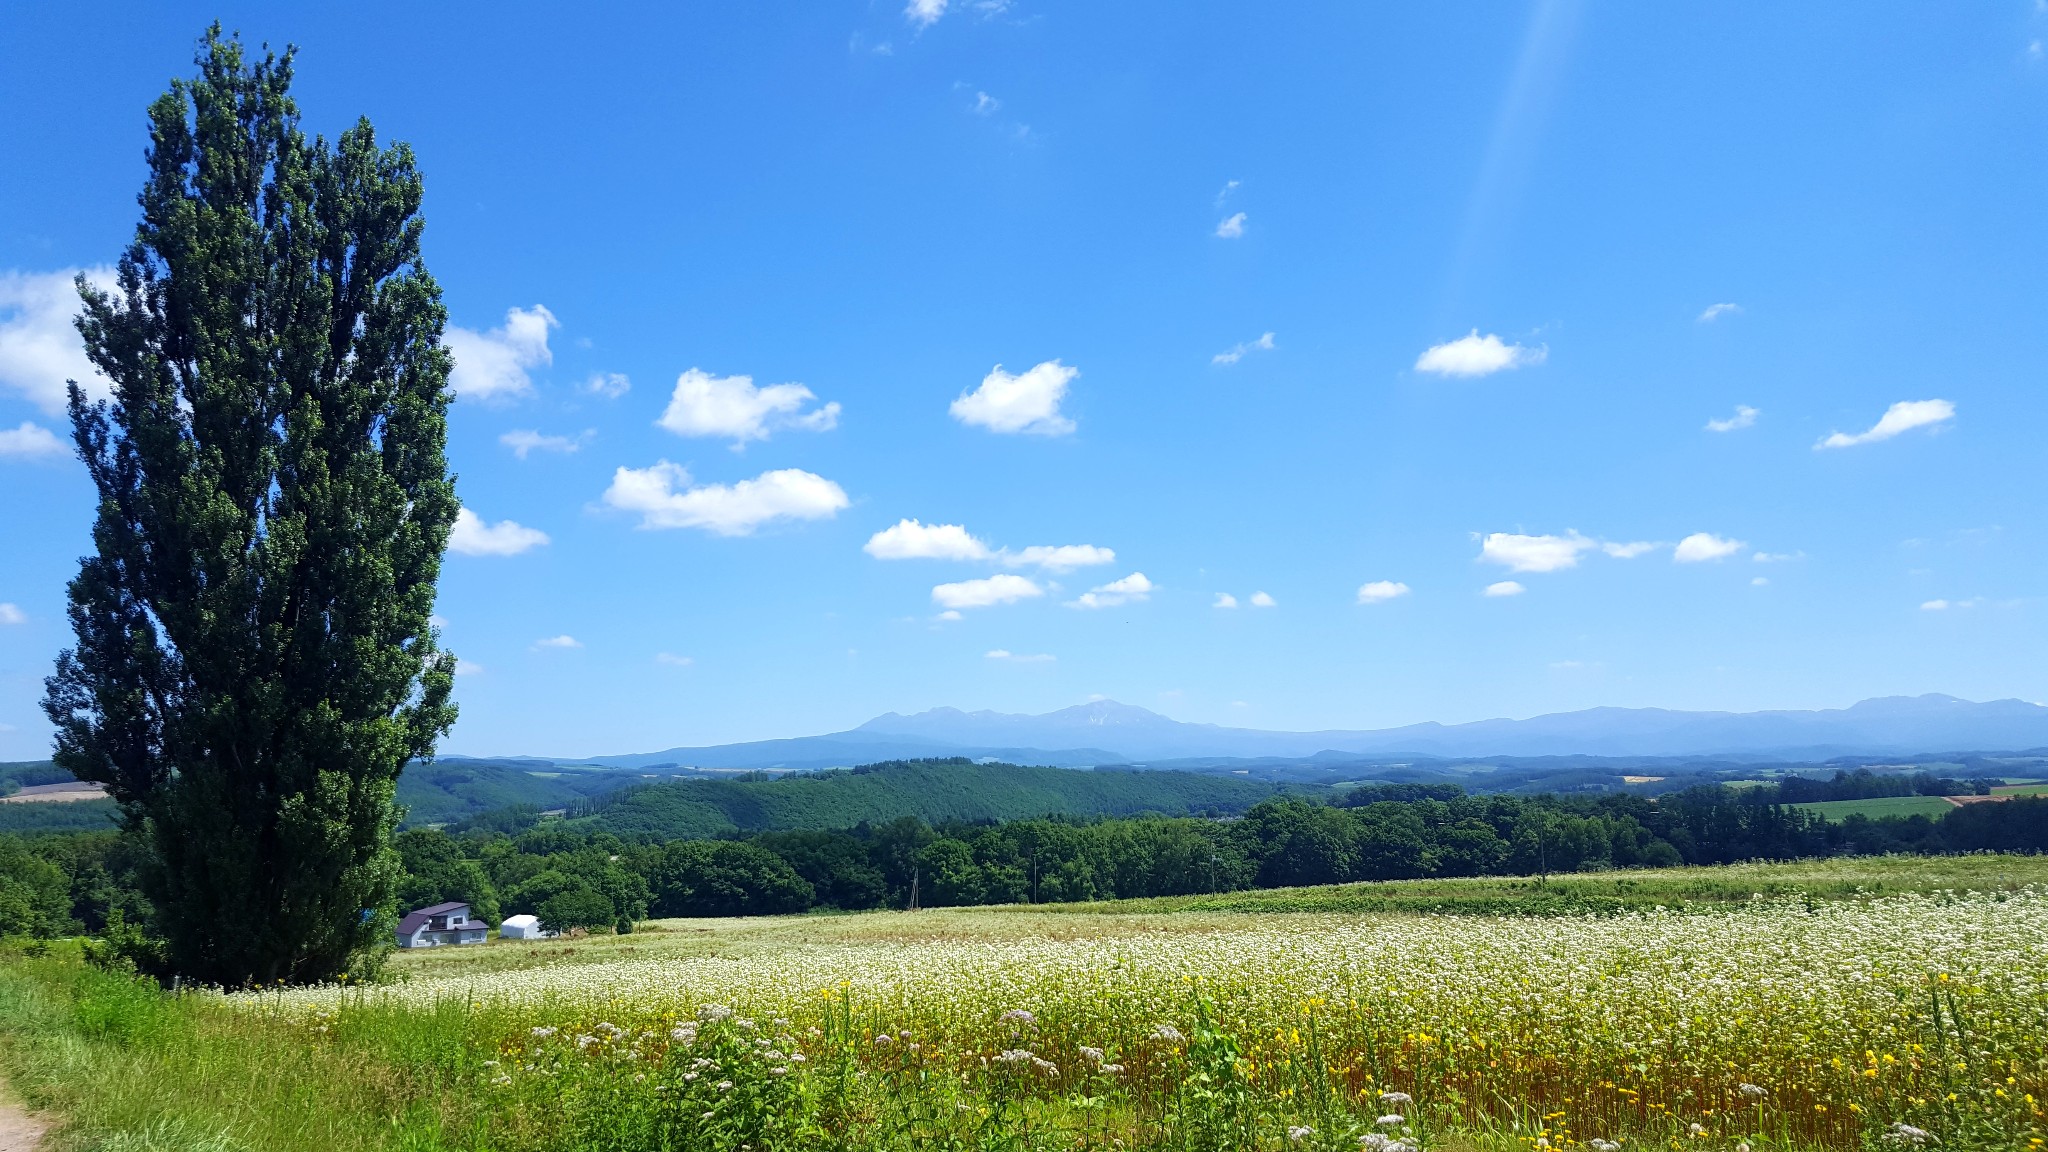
x: 1863, y: 784
x: 1384, y: 832
x: 579, y: 876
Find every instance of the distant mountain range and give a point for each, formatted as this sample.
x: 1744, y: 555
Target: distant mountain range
x: 1106, y: 732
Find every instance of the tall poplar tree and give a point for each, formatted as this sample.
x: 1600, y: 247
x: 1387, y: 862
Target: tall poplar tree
x: 255, y: 658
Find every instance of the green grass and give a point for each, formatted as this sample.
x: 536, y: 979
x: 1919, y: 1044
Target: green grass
x: 2029, y: 788
x: 1931, y: 807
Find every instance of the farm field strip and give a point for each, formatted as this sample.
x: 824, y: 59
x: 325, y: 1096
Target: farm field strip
x: 1812, y: 1026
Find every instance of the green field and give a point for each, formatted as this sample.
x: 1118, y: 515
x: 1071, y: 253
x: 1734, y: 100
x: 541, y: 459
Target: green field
x: 1932, y: 807
x: 1788, y: 1007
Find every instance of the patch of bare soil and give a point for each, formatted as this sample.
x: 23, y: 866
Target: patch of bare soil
x: 19, y: 1131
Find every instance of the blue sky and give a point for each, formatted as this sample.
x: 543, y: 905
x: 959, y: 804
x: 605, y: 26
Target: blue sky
x: 1368, y: 310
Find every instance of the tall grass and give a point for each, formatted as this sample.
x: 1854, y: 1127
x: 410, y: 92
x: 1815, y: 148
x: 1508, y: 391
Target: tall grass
x: 1784, y: 1025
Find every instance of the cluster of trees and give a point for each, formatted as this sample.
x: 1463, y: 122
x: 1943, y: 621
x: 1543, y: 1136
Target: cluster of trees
x: 1863, y: 784
x: 1373, y: 833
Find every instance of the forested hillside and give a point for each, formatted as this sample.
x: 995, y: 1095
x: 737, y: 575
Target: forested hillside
x: 934, y: 791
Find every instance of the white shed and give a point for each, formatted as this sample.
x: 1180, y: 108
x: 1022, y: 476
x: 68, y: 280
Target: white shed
x: 521, y: 927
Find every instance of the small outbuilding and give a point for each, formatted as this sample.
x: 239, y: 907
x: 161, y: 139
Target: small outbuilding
x: 432, y: 927
x: 522, y: 927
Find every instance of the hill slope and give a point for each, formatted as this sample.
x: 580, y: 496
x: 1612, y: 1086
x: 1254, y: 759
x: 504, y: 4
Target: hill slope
x: 932, y: 790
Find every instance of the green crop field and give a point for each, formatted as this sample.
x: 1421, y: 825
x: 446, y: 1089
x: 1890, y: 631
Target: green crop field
x: 1832, y: 1005
x: 1929, y: 806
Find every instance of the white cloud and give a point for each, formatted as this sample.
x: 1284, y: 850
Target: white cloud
x: 40, y: 347
x: 1505, y: 588
x: 1703, y: 546
x: 1904, y: 416
x: 1229, y: 186
x: 562, y: 641
x: 909, y: 540
x: 12, y: 614
x: 522, y: 441
x: 731, y: 407
x: 468, y: 668
x: 492, y: 365
x: 1759, y: 581
x: 665, y: 498
x: 1381, y: 590
x: 1518, y: 553
x: 1943, y: 605
x: 1002, y: 588
x: 610, y: 385
x: 1027, y: 402
x: 1744, y: 417
x: 1717, y: 310
x: 1777, y: 557
x: 1261, y: 600
x: 1232, y: 227
x: 1627, y: 550
x: 949, y: 616
x: 1005, y: 654
x: 473, y: 537
x: 1476, y: 355
x: 1233, y: 355
x: 985, y: 104
x: 1131, y: 589
x: 1058, y: 557
x: 1225, y: 600
x: 673, y: 660
x: 30, y: 442
x: 924, y: 13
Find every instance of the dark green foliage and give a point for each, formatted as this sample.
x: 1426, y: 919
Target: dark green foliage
x: 18, y: 774
x: 577, y: 907
x: 448, y: 791
x: 35, y: 895
x: 254, y: 662
x: 436, y: 871
x: 725, y: 878
x: 1863, y: 784
x: 935, y: 791
x: 60, y: 816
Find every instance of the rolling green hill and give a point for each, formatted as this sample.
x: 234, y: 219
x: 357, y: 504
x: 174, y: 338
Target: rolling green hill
x: 438, y: 793
x: 935, y: 791
x: 449, y: 790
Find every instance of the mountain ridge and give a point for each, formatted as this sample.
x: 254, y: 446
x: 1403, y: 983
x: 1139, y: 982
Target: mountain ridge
x: 1105, y: 732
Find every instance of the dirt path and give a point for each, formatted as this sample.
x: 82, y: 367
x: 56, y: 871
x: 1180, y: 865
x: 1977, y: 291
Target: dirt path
x: 19, y: 1131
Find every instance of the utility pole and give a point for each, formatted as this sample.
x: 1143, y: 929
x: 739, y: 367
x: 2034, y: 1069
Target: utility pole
x: 913, y: 890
